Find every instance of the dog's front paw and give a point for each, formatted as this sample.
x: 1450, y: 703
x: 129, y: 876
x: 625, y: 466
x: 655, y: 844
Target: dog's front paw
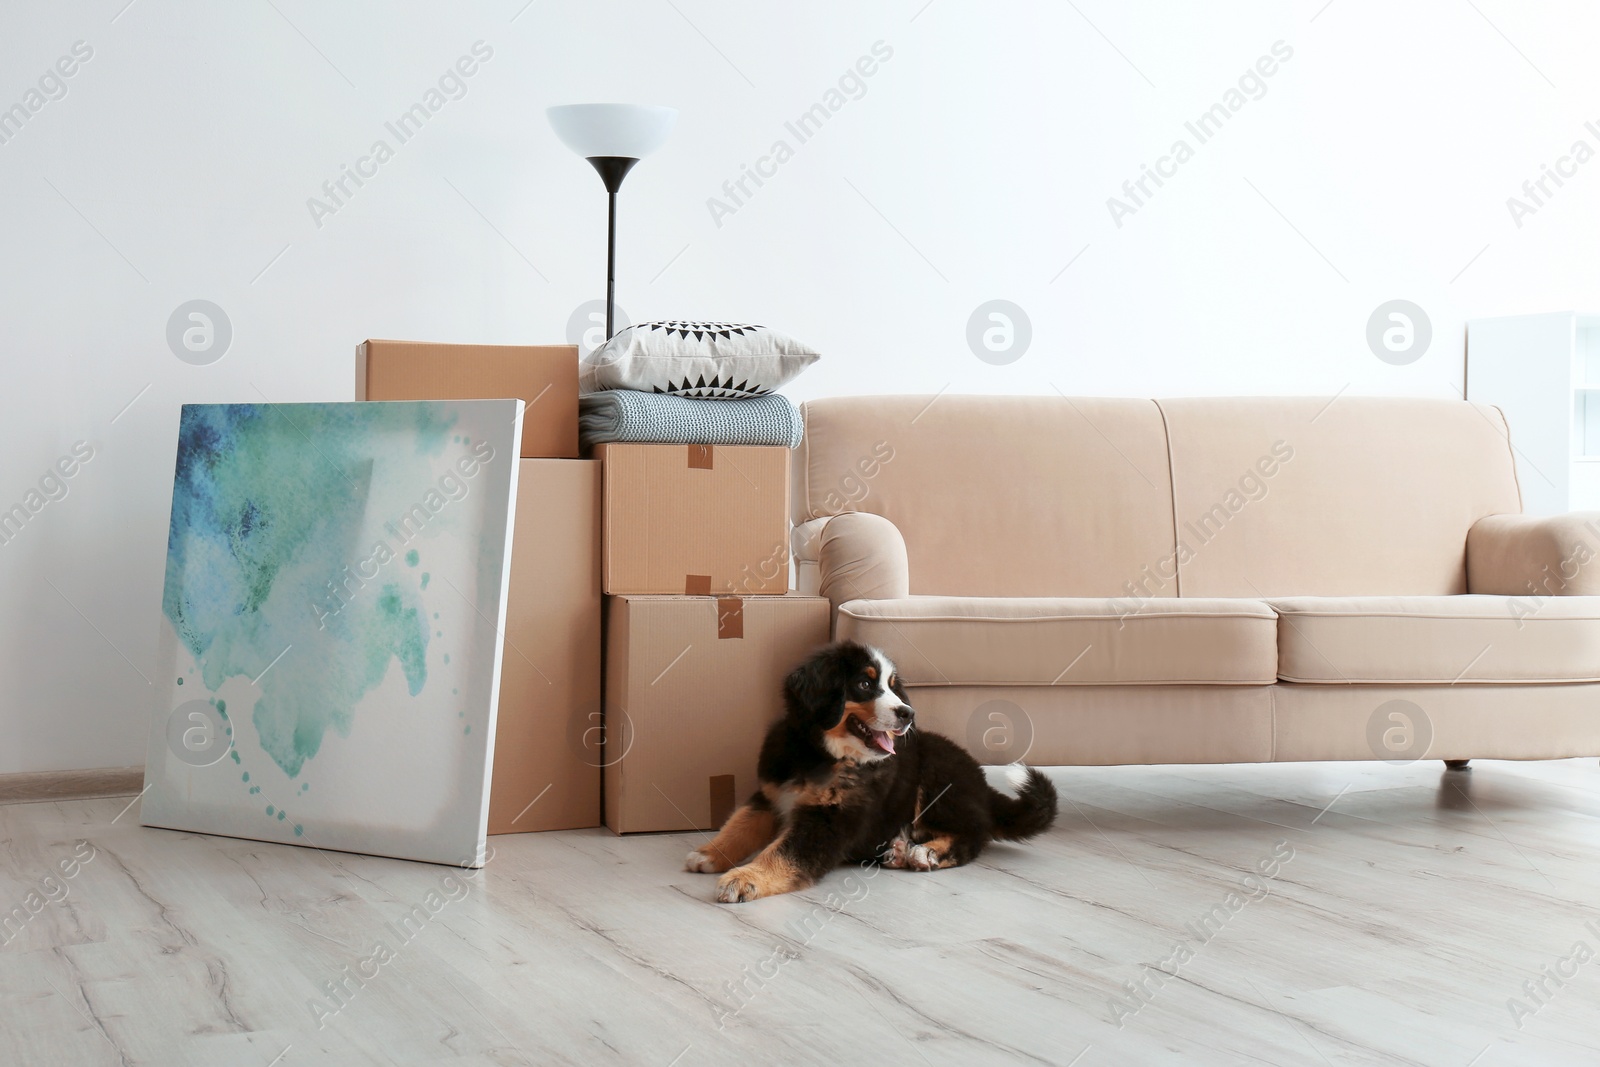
x: 895, y: 856
x: 749, y: 882
x: 705, y: 861
x: 902, y: 855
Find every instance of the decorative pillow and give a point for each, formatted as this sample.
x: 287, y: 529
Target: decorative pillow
x: 701, y: 360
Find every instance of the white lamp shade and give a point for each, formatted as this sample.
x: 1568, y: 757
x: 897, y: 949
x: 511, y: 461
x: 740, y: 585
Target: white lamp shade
x: 630, y: 130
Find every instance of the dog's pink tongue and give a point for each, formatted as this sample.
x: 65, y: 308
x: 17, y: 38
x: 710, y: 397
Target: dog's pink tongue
x: 884, y: 740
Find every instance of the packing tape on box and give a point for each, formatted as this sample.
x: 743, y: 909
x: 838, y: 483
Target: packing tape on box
x: 697, y: 585
x: 730, y: 617
x: 721, y: 799
x: 700, y: 458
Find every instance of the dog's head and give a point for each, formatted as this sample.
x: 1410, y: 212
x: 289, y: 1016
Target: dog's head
x: 850, y: 698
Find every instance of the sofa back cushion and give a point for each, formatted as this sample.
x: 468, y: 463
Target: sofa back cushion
x: 997, y: 496
x: 1355, y: 496
x: 1215, y: 496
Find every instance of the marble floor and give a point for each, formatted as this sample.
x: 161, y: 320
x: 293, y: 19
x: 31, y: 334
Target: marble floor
x: 1322, y: 914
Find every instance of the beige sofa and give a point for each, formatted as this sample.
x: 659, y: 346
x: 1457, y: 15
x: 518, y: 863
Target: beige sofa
x: 1212, y: 580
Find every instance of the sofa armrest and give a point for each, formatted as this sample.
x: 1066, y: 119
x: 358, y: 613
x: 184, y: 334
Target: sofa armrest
x: 1529, y: 555
x: 859, y: 556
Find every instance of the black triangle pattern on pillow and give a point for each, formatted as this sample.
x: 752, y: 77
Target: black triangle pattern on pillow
x: 717, y: 388
x: 700, y: 330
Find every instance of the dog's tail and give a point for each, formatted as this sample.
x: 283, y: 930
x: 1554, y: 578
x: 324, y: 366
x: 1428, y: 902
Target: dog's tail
x: 1030, y: 812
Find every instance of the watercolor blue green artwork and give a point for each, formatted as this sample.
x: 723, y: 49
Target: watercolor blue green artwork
x: 331, y: 624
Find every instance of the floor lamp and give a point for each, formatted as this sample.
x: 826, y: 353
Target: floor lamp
x: 612, y: 137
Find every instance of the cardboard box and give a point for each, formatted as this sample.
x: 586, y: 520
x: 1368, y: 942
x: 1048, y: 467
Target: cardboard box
x: 547, y: 744
x: 543, y: 376
x: 692, y: 683
x: 696, y: 520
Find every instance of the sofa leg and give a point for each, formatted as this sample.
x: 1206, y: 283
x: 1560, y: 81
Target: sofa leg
x: 1456, y: 764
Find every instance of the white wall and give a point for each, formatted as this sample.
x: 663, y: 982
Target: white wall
x: 976, y: 165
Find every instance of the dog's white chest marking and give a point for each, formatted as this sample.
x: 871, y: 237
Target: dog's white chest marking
x: 785, y: 798
x: 783, y: 803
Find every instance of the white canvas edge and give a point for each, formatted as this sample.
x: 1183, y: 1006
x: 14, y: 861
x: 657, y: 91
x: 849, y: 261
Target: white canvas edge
x: 480, y: 854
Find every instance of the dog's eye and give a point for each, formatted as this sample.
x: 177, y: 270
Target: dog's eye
x: 864, y: 685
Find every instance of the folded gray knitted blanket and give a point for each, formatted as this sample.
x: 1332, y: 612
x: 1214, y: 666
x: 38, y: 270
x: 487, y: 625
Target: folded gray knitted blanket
x: 624, y: 415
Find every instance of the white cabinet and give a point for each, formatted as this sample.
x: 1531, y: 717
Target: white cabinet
x: 1543, y: 371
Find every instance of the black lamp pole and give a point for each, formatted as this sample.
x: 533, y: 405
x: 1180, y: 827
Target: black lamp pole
x: 612, y: 170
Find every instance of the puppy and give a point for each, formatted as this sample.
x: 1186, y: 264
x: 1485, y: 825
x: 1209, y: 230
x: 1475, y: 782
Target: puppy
x: 843, y: 777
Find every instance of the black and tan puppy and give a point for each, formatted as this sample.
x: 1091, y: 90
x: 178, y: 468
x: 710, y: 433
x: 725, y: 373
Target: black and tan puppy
x: 844, y: 778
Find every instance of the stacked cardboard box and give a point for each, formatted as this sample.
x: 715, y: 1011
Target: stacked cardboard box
x: 544, y: 377
x: 547, y: 754
x: 692, y: 683
x: 696, y: 520
x: 700, y: 629
x: 546, y: 773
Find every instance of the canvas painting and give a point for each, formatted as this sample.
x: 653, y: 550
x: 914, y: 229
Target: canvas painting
x: 331, y: 624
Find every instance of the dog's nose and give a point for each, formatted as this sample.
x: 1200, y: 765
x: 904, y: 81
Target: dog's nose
x: 904, y: 714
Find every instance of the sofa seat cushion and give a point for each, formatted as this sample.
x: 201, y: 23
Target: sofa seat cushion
x: 943, y: 640
x: 1426, y: 640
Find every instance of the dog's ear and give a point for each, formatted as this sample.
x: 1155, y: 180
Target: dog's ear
x: 813, y: 691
